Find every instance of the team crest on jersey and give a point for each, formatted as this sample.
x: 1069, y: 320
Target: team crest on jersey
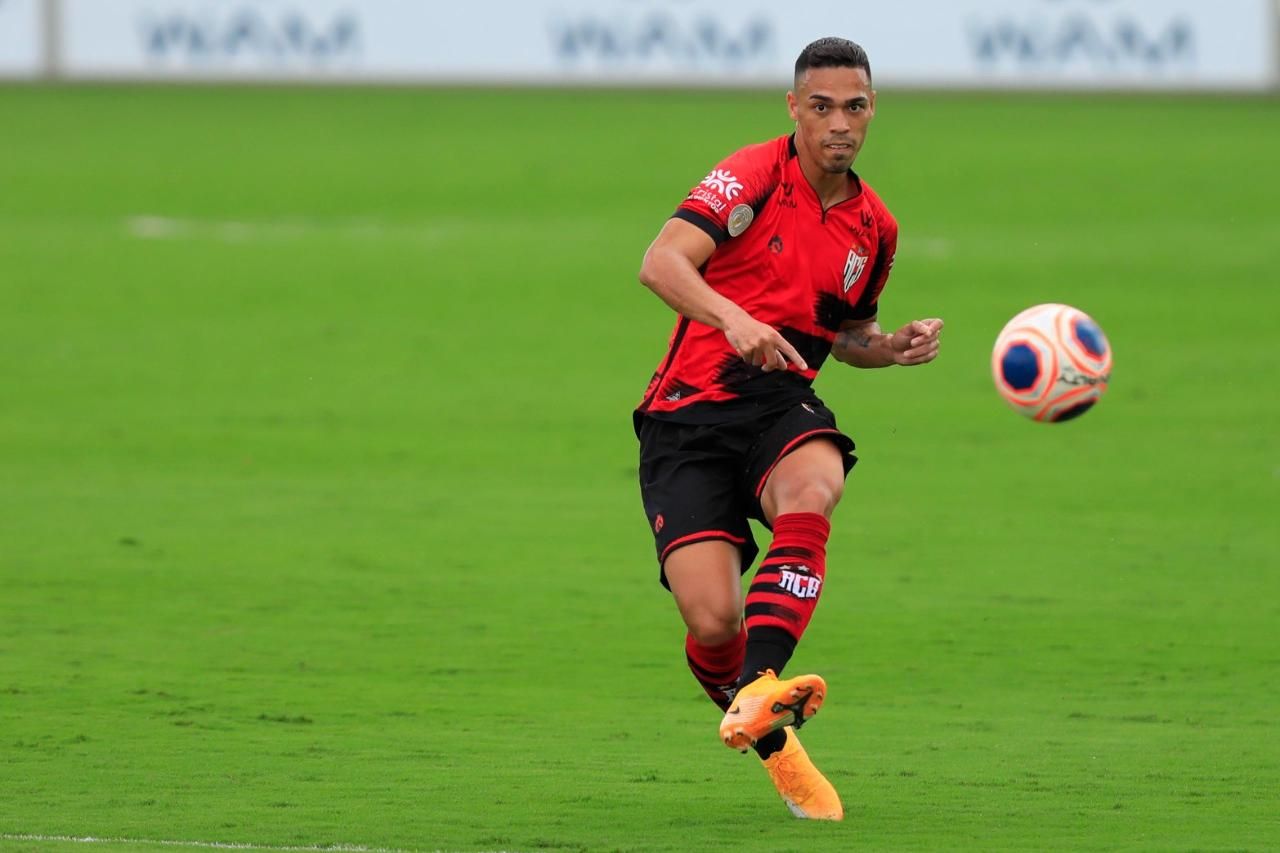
x: 723, y: 182
x: 853, y: 267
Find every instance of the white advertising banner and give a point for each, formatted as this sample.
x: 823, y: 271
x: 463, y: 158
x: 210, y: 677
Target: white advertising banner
x: 967, y: 43
x: 20, y: 53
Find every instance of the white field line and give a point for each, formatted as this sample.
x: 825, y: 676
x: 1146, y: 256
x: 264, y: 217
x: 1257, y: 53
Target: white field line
x: 205, y: 845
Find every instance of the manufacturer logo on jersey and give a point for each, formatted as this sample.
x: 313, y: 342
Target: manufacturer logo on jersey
x: 723, y: 182
x: 785, y: 199
x: 798, y: 581
x: 659, y: 523
x: 775, y: 245
x: 853, y: 267
x: 739, y: 218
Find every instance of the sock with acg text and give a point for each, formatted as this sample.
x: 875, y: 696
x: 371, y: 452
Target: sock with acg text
x: 784, y: 592
x: 716, y: 669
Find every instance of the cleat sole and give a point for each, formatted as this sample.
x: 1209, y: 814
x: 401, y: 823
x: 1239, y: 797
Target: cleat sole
x: 793, y: 706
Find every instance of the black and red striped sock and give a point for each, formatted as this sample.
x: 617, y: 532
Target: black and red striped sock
x: 784, y: 592
x: 717, y: 667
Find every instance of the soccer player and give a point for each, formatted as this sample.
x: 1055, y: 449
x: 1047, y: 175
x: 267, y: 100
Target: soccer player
x: 775, y: 260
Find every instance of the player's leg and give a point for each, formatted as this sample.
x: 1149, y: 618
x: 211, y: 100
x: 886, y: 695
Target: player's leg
x: 705, y: 580
x: 798, y: 498
x: 689, y: 481
x: 799, y: 494
x: 796, y: 473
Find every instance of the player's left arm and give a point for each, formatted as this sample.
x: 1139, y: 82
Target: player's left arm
x: 860, y: 340
x: 862, y: 343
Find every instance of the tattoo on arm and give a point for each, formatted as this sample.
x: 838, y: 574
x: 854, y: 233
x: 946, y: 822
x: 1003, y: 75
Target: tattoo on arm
x: 850, y: 338
x: 860, y: 345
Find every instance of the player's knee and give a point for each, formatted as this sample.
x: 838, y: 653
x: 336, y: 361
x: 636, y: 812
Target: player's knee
x: 714, y: 629
x: 818, y: 495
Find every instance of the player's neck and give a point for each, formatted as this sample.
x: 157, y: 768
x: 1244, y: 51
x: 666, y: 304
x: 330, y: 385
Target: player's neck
x: 830, y: 187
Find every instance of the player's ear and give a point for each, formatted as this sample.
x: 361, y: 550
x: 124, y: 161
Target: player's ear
x: 872, y: 105
x: 791, y: 106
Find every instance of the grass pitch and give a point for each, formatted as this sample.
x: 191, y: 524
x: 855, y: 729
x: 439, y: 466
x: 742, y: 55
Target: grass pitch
x: 318, y: 515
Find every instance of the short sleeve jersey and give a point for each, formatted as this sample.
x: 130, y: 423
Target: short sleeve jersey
x: 787, y: 262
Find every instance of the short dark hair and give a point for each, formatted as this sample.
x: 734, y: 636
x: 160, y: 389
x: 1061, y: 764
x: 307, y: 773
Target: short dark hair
x: 832, y: 52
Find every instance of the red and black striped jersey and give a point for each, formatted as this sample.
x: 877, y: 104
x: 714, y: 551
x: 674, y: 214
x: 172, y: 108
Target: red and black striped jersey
x: 788, y: 263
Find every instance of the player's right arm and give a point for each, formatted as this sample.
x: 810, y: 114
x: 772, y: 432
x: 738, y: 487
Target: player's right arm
x: 670, y: 269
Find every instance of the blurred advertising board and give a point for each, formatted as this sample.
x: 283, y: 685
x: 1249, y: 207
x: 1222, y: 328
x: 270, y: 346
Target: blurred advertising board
x: 1129, y: 44
x: 20, y: 44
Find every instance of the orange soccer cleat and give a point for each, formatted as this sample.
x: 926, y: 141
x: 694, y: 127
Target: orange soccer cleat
x: 805, y: 791
x: 767, y: 704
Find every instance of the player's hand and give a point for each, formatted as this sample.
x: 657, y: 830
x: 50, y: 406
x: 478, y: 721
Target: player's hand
x: 761, y: 345
x: 916, y: 342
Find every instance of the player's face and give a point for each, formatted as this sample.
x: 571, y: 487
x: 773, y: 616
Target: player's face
x: 832, y: 108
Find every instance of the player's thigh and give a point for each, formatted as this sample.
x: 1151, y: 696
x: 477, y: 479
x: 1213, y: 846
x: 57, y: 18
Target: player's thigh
x: 704, y: 580
x: 799, y: 463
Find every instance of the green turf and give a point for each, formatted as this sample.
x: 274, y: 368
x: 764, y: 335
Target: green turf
x: 318, y: 516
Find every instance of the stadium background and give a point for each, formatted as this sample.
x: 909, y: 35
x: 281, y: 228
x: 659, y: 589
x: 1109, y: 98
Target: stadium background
x: 318, y: 522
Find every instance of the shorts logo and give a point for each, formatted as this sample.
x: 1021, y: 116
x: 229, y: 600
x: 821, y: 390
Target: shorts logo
x: 853, y: 267
x: 798, y: 581
x: 723, y: 182
x: 659, y: 523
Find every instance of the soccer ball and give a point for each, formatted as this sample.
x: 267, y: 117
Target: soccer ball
x: 1051, y: 363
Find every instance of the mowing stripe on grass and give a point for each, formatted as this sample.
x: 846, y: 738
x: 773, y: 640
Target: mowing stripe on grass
x: 209, y: 845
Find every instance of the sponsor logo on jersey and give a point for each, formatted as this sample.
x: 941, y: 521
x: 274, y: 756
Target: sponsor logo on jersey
x: 723, y: 182
x: 710, y: 199
x: 853, y: 267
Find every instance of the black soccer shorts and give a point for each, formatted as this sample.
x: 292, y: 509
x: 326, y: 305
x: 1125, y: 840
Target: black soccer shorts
x: 704, y: 481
